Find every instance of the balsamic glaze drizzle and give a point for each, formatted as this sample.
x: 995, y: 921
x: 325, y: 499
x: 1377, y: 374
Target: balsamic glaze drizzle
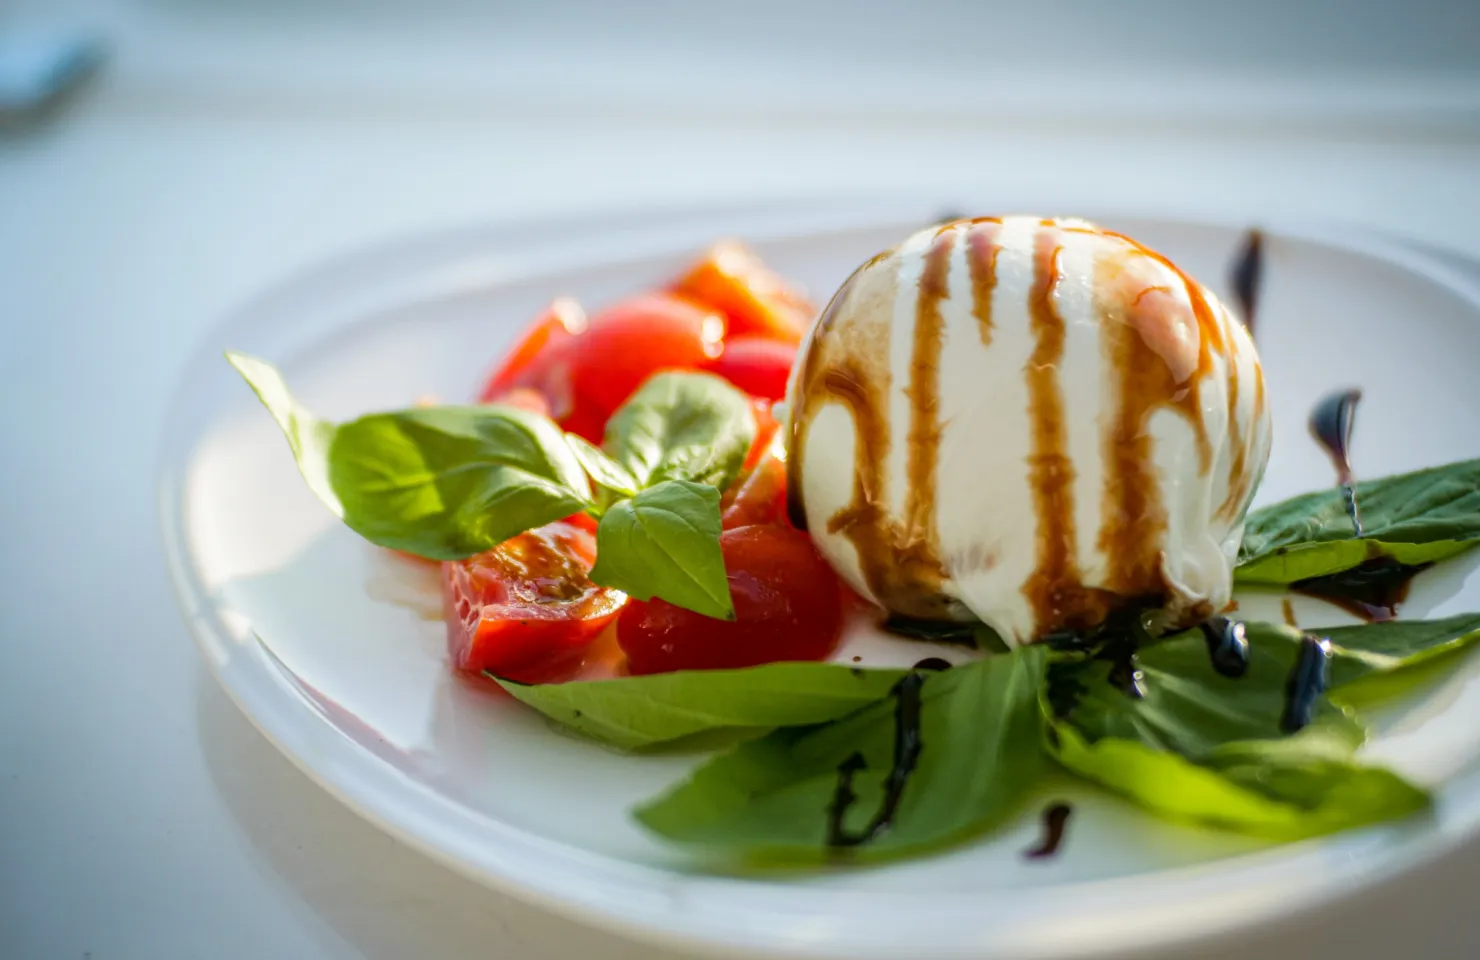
x: 1371, y: 590
x: 933, y: 663
x: 1125, y: 674
x: 907, y: 746
x: 1331, y: 422
x: 1245, y: 276
x: 1228, y: 646
x: 1307, y: 681
x: 1055, y: 818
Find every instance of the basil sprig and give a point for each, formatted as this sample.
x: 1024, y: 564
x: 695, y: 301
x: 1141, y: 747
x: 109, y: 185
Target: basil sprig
x: 682, y: 426
x: 440, y: 482
x: 680, y: 440
x: 1413, y: 517
x: 635, y: 712
x: 665, y: 542
x: 1198, y: 747
x: 449, y: 482
x: 768, y: 800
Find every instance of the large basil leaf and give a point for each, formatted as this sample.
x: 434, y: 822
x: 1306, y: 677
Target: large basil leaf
x: 768, y: 800
x: 1208, y: 748
x: 309, y: 437
x: 664, y: 542
x: 1413, y: 517
x: 612, y: 480
x: 1368, y: 648
x: 682, y: 426
x: 1303, y: 786
x: 441, y: 482
x: 633, y: 712
x: 1188, y: 707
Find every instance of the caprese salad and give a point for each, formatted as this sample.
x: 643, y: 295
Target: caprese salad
x: 1030, y: 442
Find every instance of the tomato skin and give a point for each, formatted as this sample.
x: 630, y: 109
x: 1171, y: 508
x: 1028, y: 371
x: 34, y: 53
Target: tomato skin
x: 527, y: 610
x: 758, y: 498
x: 766, y: 427
x: 630, y: 341
x: 757, y: 365
x: 788, y: 606
x: 530, y: 363
x: 754, y: 298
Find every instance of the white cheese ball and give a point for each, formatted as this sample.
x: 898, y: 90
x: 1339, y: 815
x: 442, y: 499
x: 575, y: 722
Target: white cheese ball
x: 1028, y: 422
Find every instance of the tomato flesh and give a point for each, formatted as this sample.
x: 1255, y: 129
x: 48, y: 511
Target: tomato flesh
x: 766, y: 427
x: 527, y: 609
x: 754, y: 298
x: 758, y: 498
x: 788, y: 606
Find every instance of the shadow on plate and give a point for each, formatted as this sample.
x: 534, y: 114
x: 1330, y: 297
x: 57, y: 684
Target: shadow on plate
x: 384, y: 899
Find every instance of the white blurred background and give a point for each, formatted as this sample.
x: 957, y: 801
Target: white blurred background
x: 226, y: 144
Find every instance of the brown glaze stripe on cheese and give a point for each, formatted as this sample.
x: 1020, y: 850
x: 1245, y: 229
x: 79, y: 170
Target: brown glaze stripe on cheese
x: 920, y: 538
x: 1134, y: 523
x: 981, y: 258
x: 808, y: 364
x: 863, y: 521
x: 1239, y: 442
x: 1053, y: 588
x: 1210, y: 339
x: 899, y: 561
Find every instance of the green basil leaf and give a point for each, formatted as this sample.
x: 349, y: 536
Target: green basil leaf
x: 1412, y: 517
x: 768, y: 800
x: 1200, y: 746
x: 664, y: 542
x: 634, y: 712
x: 1189, y: 708
x: 440, y: 482
x: 609, y: 476
x: 1289, y: 789
x: 309, y: 437
x: 1369, y: 648
x: 682, y: 426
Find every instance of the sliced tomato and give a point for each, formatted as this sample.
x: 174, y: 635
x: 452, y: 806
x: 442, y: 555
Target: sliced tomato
x: 758, y: 498
x: 756, y: 300
x: 788, y: 606
x: 630, y: 341
x: 766, y: 426
x: 757, y: 365
x: 527, y: 609
x: 534, y: 360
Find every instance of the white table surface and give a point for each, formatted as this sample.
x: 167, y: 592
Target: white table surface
x: 141, y: 816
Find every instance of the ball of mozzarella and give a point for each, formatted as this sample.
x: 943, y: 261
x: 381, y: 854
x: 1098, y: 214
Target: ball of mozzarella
x: 1028, y: 422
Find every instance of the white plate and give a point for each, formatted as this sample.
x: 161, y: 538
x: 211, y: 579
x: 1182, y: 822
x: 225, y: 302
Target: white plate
x: 349, y: 678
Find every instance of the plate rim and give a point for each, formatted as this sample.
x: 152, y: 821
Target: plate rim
x: 363, y: 783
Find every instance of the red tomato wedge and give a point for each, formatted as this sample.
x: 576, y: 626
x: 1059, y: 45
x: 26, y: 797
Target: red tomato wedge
x: 788, y: 606
x: 758, y: 498
x: 756, y: 300
x: 630, y: 341
x: 765, y: 431
x: 586, y: 370
x: 534, y: 360
x: 527, y: 609
x: 757, y: 365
